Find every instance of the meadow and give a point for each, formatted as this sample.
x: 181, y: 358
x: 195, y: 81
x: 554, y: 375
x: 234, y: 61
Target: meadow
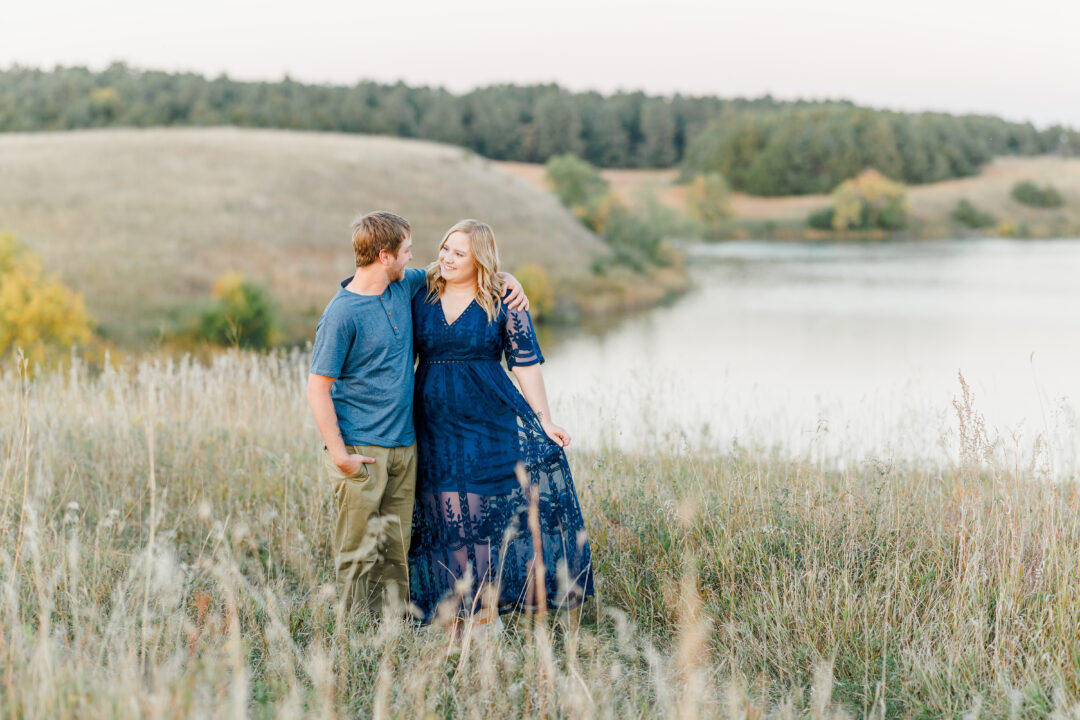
x: 164, y: 553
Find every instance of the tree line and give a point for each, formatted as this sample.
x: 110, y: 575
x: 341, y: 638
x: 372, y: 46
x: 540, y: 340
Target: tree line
x: 812, y: 150
x: 763, y: 145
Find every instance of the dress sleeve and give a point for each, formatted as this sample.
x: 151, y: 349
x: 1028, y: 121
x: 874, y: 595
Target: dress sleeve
x: 519, y: 340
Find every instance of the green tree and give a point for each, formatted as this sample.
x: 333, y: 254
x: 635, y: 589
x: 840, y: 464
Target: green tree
x: 607, y: 143
x: 821, y: 219
x: 658, y: 135
x: 727, y: 145
x: 574, y: 181
x: 556, y: 127
x: 440, y: 120
x: 810, y: 146
x: 244, y: 315
x: 875, y: 144
x: 493, y: 124
x: 638, y: 234
x: 398, y: 112
x: 965, y: 213
x: 1028, y: 193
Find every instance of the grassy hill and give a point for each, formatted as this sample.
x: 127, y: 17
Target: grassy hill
x: 931, y: 203
x: 143, y: 221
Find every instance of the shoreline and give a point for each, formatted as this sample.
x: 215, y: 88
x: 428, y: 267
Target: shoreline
x: 623, y: 294
x: 931, y: 205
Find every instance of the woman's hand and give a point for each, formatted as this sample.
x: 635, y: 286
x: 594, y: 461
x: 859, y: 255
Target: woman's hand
x: 556, y: 433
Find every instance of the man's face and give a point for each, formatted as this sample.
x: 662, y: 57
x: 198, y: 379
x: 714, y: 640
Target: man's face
x: 396, y: 265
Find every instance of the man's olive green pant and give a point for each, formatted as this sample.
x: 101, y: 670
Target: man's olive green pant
x: 374, y: 524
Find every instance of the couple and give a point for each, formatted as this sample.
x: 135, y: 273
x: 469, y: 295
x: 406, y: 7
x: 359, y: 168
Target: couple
x: 436, y: 515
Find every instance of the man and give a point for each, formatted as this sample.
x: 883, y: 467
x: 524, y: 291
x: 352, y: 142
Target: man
x: 361, y: 392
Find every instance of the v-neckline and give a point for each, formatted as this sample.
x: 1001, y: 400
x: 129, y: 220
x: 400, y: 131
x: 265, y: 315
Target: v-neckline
x: 442, y: 310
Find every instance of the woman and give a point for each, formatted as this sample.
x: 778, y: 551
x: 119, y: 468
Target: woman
x: 472, y: 549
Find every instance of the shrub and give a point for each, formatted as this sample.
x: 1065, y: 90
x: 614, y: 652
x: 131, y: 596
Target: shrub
x: 245, y: 315
x: 869, y: 201
x: 1012, y: 228
x: 637, y: 235
x: 1028, y: 193
x: 597, y: 212
x: 632, y: 239
x: 966, y: 214
x: 709, y: 200
x: 538, y: 288
x: 37, y: 314
x: 821, y: 220
x: 575, y: 182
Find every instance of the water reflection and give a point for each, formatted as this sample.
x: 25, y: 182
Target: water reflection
x: 840, y: 351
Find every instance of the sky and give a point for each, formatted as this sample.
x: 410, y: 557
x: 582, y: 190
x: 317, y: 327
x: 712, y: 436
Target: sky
x: 1016, y: 60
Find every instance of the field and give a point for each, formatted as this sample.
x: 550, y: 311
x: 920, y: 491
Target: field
x: 163, y: 553
x: 930, y: 203
x: 141, y: 222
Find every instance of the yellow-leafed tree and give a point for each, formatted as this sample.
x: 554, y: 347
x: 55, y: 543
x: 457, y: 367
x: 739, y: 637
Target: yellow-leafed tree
x: 708, y: 199
x: 534, y: 280
x: 869, y: 201
x: 37, y: 313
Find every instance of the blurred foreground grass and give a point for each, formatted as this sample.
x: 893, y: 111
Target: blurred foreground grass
x: 164, y: 553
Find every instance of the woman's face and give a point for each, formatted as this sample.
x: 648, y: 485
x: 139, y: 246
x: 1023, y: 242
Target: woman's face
x: 456, y: 259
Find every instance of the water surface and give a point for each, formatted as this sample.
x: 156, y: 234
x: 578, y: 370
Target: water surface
x: 841, y: 351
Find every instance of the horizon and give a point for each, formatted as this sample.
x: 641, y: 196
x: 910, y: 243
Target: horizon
x: 575, y: 90
x: 960, y: 57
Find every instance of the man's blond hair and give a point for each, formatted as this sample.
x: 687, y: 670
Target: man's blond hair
x: 377, y: 231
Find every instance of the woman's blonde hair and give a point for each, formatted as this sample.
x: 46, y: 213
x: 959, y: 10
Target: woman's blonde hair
x: 485, y: 258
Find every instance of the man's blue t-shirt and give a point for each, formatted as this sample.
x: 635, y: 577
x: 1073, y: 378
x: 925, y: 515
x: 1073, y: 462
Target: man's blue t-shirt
x: 366, y: 342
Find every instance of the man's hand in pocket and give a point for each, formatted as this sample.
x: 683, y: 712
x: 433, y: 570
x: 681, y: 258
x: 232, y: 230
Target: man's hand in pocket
x: 351, y: 464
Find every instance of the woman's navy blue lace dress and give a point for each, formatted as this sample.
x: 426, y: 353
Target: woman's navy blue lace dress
x: 470, y: 519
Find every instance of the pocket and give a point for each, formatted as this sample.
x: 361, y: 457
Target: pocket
x: 363, y: 473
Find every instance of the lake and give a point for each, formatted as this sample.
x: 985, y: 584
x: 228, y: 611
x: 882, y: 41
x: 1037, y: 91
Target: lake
x: 840, y: 353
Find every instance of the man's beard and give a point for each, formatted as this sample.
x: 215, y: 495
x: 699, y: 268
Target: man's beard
x: 398, y: 274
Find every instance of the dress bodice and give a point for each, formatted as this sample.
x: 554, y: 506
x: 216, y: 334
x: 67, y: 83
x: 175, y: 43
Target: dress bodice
x: 471, y: 337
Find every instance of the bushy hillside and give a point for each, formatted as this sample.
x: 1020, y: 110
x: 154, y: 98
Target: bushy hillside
x: 931, y: 203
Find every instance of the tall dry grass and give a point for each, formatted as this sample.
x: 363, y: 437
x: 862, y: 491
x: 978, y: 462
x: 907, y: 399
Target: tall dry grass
x: 164, y: 553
